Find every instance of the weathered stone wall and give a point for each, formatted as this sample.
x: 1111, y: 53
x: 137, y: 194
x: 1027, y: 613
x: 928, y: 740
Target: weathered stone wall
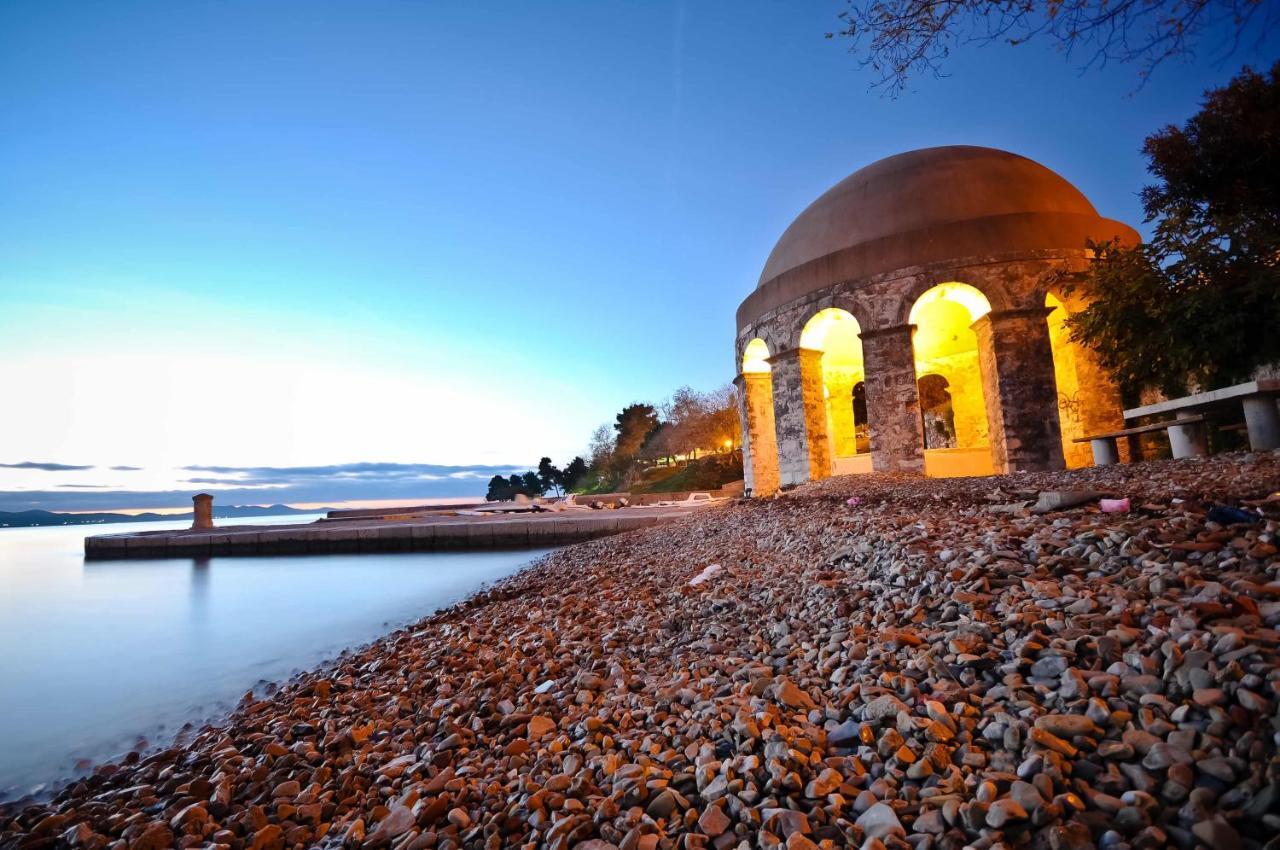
x: 1015, y: 281
x: 1019, y: 387
x: 744, y: 423
x: 789, y: 418
x: 1088, y: 400
x: 893, y: 404
x: 760, y: 430
x: 815, y: 414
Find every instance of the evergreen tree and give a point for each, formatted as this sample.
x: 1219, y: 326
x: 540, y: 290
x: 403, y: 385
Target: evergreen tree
x: 499, y: 489
x: 550, y: 476
x: 574, y: 471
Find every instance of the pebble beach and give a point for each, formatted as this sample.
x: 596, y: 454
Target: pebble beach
x: 882, y: 662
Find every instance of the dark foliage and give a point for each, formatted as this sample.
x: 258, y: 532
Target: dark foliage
x: 1199, y: 305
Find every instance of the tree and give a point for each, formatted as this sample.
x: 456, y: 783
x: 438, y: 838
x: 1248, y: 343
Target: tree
x: 600, y: 448
x: 532, y: 484
x: 499, y: 489
x: 903, y: 38
x: 549, y: 476
x: 1199, y: 305
x: 723, y: 424
x: 574, y: 472
x: 634, y: 425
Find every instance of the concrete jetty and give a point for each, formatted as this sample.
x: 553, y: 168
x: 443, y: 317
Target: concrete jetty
x: 376, y: 534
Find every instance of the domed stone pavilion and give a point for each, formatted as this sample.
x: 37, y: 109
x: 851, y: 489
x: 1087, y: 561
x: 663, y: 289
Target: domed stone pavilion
x: 913, y: 319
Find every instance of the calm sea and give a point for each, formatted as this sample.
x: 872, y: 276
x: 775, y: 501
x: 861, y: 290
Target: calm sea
x: 99, y: 657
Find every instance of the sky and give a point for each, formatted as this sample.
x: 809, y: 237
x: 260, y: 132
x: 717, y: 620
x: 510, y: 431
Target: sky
x: 384, y: 249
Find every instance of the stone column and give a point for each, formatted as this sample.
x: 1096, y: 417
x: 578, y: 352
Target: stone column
x: 203, y: 511
x: 893, y: 403
x: 815, y: 414
x: 759, y: 435
x: 748, y: 478
x: 790, y: 417
x: 843, y: 438
x: 1020, y: 389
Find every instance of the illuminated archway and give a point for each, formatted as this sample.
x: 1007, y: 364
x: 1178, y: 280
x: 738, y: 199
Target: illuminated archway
x: 1088, y: 402
x: 949, y: 378
x: 762, y: 441
x: 937, y: 413
x: 834, y: 335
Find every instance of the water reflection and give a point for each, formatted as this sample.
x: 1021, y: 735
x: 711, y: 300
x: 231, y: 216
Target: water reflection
x: 94, y: 655
x: 199, y: 584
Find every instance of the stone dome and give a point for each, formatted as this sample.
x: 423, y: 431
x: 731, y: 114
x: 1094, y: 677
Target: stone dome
x: 927, y: 206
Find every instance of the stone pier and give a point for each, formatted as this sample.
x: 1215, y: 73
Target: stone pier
x: 893, y: 400
x: 1018, y: 383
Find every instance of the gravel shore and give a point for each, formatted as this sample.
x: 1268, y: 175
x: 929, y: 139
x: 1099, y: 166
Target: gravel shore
x: 937, y: 665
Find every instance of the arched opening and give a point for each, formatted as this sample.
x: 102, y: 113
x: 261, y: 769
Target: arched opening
x: 937, y: 414
x: 1088, y: 402
x: 759, y: 429
x: 949, y: 380
x: 832, y: 337
x: 861, y: 425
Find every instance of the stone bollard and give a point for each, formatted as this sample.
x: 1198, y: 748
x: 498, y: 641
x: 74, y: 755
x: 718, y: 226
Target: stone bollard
x: 203, y: 511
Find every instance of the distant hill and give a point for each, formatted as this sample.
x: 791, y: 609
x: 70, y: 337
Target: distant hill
x: 27, y: 519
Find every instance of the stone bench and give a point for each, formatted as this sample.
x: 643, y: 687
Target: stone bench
x: 1255, y: 399
x: 1186, y: 439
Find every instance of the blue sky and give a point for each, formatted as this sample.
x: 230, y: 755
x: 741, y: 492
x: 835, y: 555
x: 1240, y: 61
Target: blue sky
x: 314, y: 233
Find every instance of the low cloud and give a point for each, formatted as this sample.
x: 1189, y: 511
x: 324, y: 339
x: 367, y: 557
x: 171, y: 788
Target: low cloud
x: 44, y: 467
x: 345, y: 471
x: 127, y: 468
x: 256, y: 485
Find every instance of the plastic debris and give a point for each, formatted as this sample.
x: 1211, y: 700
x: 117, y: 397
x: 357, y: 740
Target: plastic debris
x: 1114, y: 506
x: 707, y: 572
x: 1061, y: 500
x: 1227, y: 515
x: 853, y: 501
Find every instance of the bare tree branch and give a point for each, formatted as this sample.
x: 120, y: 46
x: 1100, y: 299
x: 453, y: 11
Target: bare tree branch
x: 899, y: 39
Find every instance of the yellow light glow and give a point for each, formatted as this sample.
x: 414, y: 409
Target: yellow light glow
x: 946, y: 350
x: 973, y: 301
x: 835, y: 333
x: 755, y: 358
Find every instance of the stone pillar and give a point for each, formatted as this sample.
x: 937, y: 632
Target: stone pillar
x: 893, y: 403
x: 789, y: 415
x: 815, y: 414
x: 759, y: 434
x: 748, y: 478
x: 842, y: 433
x: 1021, y: 392
x: 1262, y: 422
x: 203, y: 511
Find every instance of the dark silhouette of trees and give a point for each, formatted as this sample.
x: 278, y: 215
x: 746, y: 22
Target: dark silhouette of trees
x: 633, y: 425
x: 547, y: 478
x: 499, y: 489
x: 1198, y: 306
x: 898, y: 39
x: 574, y: 473
x: 550, y: 477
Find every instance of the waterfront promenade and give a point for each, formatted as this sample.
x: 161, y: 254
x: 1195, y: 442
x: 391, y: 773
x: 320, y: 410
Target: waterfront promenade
x: 386, y: 532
